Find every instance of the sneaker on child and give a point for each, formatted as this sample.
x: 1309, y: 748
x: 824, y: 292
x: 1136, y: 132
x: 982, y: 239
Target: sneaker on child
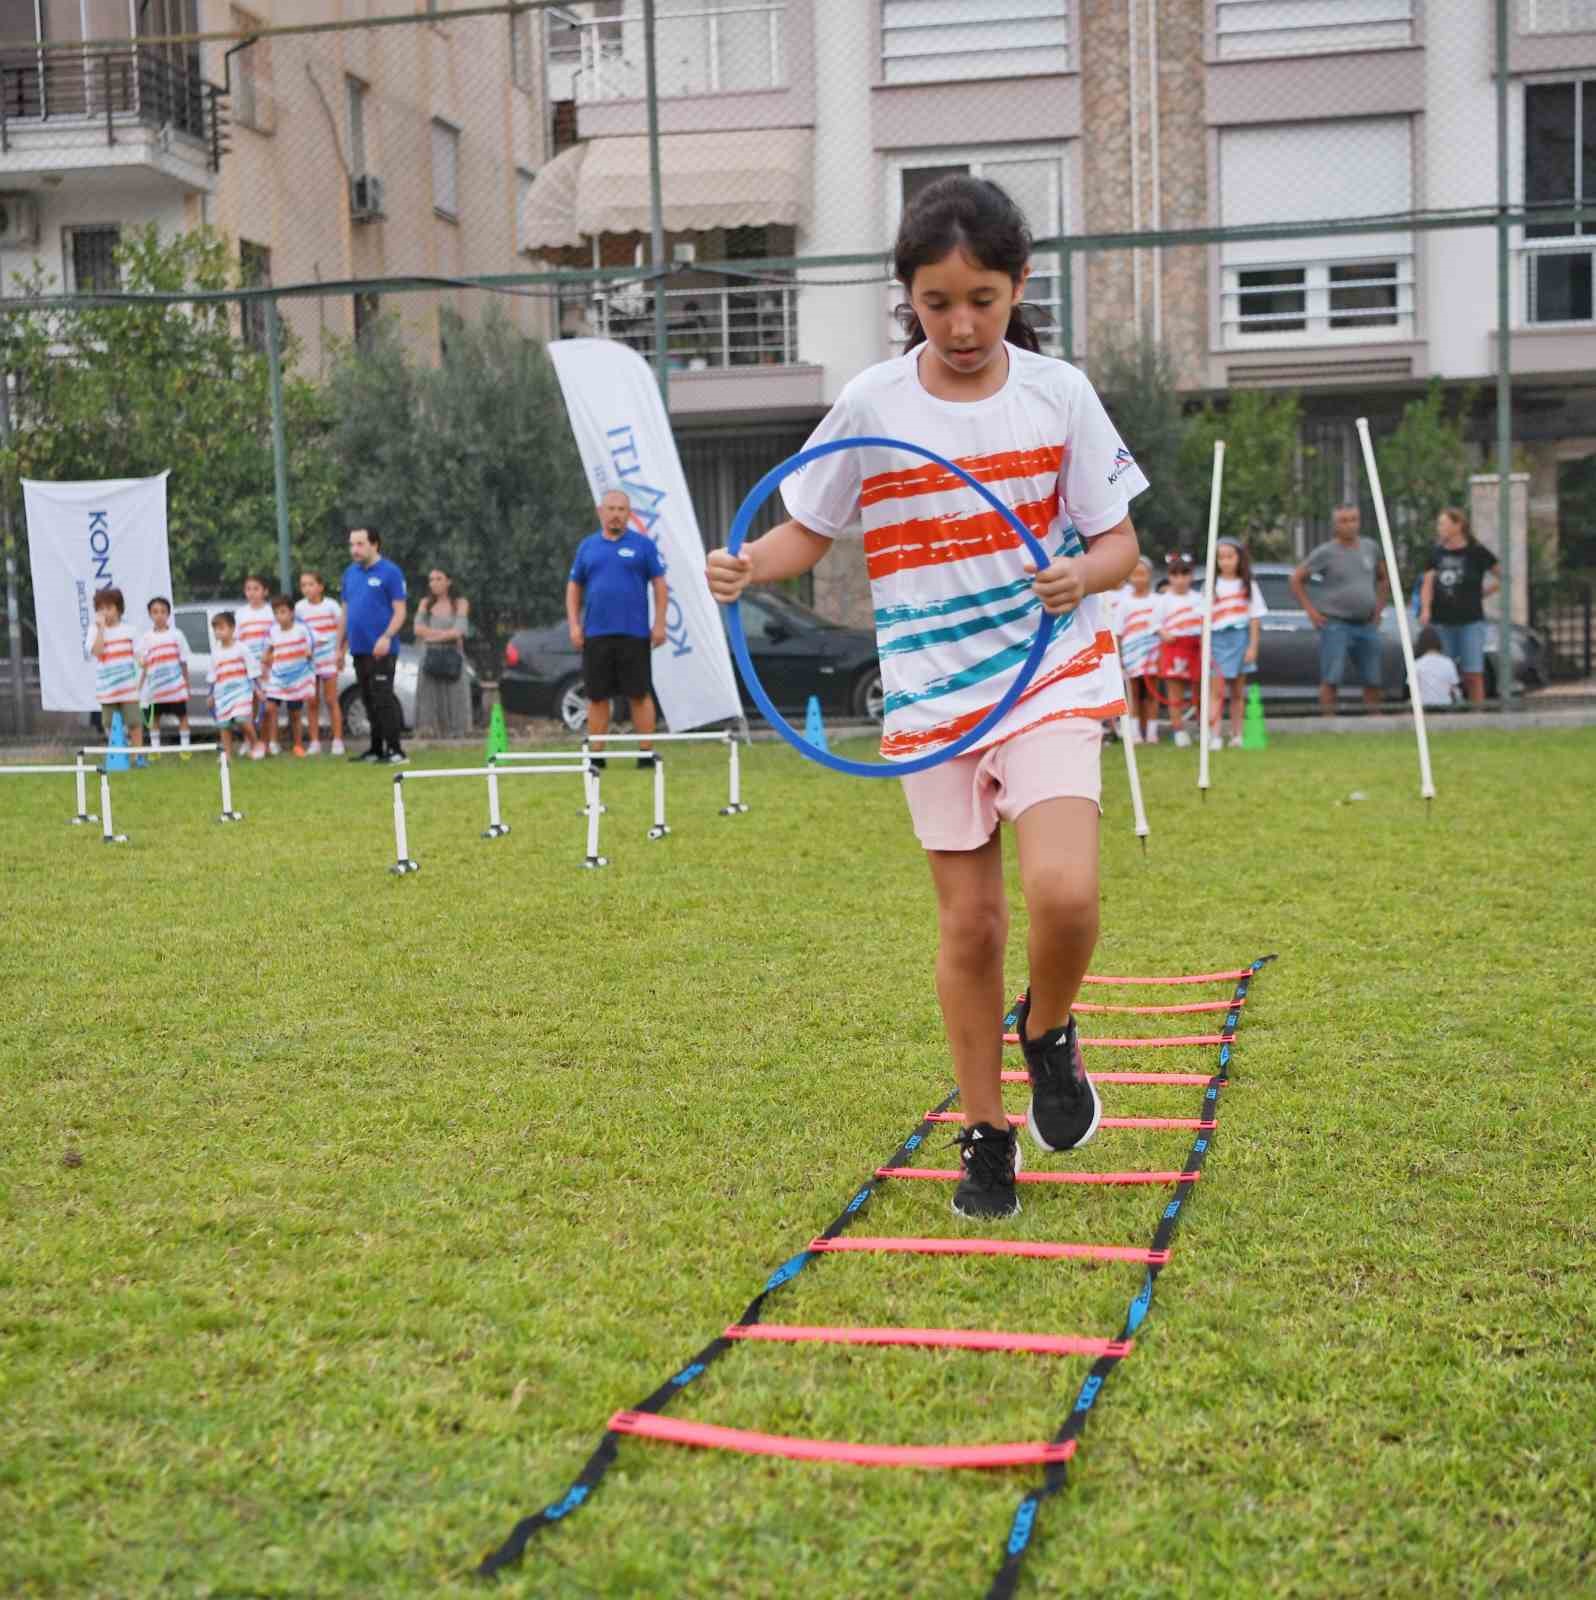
x: 313, y: 748
x: 1064, y: 1109
x: 1182, y: 739
x: 990, y: 1158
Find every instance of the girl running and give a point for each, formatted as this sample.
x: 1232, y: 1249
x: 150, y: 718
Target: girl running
x: 1137, y: 614
x: 1238, y: 604
x: 956, y: 607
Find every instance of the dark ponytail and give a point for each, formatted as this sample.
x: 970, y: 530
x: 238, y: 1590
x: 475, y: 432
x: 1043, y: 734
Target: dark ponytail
x: 973, y: 215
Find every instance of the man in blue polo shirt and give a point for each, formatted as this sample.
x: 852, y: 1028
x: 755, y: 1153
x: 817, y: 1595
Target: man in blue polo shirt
x: 374, y: 612
x: 610, y: 577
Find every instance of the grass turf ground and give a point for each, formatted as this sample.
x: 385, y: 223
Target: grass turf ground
x: 393, y: 1190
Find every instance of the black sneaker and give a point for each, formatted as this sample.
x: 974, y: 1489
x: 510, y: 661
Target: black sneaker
x: 1064, y: 1109
x: 366, y: 755
x: 645, y: 762
x: 598, y: 763
x: 991, y: 1161
x: 395, y: 758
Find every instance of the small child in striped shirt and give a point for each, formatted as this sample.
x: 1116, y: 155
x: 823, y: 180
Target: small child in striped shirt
x: 233, y: 688
x: 162, y: 656
x: 289, y: 664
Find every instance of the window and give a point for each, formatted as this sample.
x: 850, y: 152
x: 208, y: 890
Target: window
x: 1557, y: 16
x: 89, y: 256
x: 1559, y: 171
x: 704, y: 47
x: 931, y: 41
x: 252, y: 105
x: 355, y: 97
x: 254, y: 272
x: 1307, y: 27
x: 1036, y: 178
x: 445, y: 169
x: 521, y: 57
x: 1340, y: 287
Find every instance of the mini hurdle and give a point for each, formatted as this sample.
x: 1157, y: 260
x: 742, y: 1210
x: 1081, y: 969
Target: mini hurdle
x: 497, y: 828
x: 79, y: 771
x: 226, y: 814
x: 734, y: 806
x: 659, y: 830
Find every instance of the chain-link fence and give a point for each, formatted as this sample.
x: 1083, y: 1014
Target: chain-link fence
x: 1259, y: 217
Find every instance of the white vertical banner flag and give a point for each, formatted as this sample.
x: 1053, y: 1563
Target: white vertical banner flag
x: 83, y: 537
x: 624, y: 438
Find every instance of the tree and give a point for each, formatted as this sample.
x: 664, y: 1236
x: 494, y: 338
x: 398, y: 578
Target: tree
x: 1424, y: 467
x: 1262, y: 494
x: 132, y: 390
x: 1136, y: 377
x: 470, y: 466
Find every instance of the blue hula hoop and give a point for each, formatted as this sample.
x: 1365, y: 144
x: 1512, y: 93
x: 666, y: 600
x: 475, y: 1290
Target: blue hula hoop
x: 750, y: 508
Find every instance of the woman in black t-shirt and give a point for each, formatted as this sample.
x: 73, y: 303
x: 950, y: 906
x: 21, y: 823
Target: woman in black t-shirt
x: 1458, y: 578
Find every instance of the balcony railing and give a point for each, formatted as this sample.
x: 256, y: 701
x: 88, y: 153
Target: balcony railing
x: 1558, y: 276
x: 704, y: 327
x: 700, y: 49
x: 1312, y: 302
x: 111, y: 89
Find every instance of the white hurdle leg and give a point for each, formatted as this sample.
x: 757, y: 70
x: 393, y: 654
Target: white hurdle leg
x: 84, y: 814
x: 225, y: 768
x: 1127, y: 729
x: 497, y: 827
x: 659, y: 830
x: 108, y: 833
x: 401, y: 839
x: 595, y: 809
x: 734, y: 805
x: 590, y: 784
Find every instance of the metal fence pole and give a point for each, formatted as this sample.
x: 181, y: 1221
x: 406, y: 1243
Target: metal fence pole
x: 656, y: 206
x: 1504, y: 372
x: 274, y: 363
x: 19, y: 692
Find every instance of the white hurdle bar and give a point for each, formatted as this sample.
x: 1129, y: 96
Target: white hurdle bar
x: 79, y: 771
x: 227, y: 813
x: 734, y: 804
x: 405, y: 863
x: 659, y: 830
x: 553, y: 755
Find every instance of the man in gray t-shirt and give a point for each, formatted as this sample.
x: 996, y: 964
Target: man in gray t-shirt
x: 1350, y: 590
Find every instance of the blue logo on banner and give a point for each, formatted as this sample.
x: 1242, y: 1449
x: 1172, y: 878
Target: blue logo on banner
x: 1024, y: 1521
x: 1138, y: 1306
x: 1088, y: 1393
x: 646, y: 502
x: 788, y: 1269
x: 569, y: 1503
x: 686, y: 1375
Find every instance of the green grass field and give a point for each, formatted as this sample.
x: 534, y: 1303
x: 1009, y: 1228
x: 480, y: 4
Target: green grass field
x: 393, y: 1190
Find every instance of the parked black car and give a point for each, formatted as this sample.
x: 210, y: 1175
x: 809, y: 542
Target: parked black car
x: 1288, y: 644
x: 796, y: 652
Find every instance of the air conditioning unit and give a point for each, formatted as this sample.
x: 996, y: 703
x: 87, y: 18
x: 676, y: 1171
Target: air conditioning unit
x: 19, y: 219
x: 365, y: 198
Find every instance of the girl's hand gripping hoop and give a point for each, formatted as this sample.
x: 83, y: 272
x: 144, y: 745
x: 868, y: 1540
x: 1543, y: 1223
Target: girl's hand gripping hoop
x: 746, y: 513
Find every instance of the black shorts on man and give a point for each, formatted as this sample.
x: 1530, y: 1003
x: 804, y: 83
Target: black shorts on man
x: 617, y: 664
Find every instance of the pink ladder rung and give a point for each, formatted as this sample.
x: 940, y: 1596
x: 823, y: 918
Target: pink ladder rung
x: 1190, y: 1078
x: 1139, y: 1044
x: 994, y: 1247
x: 1017, y: 1120
x: 1046, y: 1344
x: 1190, y: 977
x: 681, y: 1430
x: 949, y: 1175
x: 1159, y: 1011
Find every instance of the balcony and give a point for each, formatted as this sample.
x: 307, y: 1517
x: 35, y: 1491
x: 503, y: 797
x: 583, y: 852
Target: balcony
x: 705, y: 328
x: 61, y: 109
x: 700, y: 48
x: 1317, y: 302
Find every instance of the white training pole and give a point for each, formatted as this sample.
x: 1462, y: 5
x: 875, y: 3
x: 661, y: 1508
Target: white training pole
x: 1205, y: 689
x: 84, y: 814
x: 659, y: 830
x: 496, y: 828
x: 734, y: 778
x: 1426, y: 782
x: 108, y: 833
x: 228, y: 814
x: 590, y: 782
x: 594, y: 811
x: 1127, y: 727
x: 401, y: 839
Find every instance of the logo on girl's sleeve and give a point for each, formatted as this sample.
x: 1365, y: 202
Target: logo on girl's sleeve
x: 1123, y: 461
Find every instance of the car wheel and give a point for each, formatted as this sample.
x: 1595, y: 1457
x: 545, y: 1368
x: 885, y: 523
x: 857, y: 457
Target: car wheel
x: 570, y: 705
x: 868, y: 697
x: 356, y: 723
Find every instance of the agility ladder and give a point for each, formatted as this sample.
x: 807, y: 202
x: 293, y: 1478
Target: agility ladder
x: 646, y: 1418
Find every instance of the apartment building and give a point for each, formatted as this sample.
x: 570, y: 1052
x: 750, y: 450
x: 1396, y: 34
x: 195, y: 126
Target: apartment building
x: 800, y: 127
x: 356, y: 153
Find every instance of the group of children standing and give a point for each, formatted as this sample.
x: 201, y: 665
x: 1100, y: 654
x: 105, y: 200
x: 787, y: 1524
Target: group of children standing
x: 1160, y: 641
x: 270, y: 658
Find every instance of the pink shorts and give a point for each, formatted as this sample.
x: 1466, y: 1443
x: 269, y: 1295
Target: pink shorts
x: 958, y: 805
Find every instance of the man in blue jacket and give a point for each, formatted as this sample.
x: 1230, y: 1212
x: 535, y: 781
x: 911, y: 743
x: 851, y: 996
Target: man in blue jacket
x: 374, y: 612
x: 606, y: 608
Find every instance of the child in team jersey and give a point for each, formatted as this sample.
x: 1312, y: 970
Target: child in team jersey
x: 1238, y: 603
x: 1180, y: 633
x: 325, y: 619
x: 116, y: 670
x: 1136, y: 611
x: 162, y: 655
x: 289, y: 664
x: 233, y: 688
x: 254, y: 629
x: 957, y: 605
